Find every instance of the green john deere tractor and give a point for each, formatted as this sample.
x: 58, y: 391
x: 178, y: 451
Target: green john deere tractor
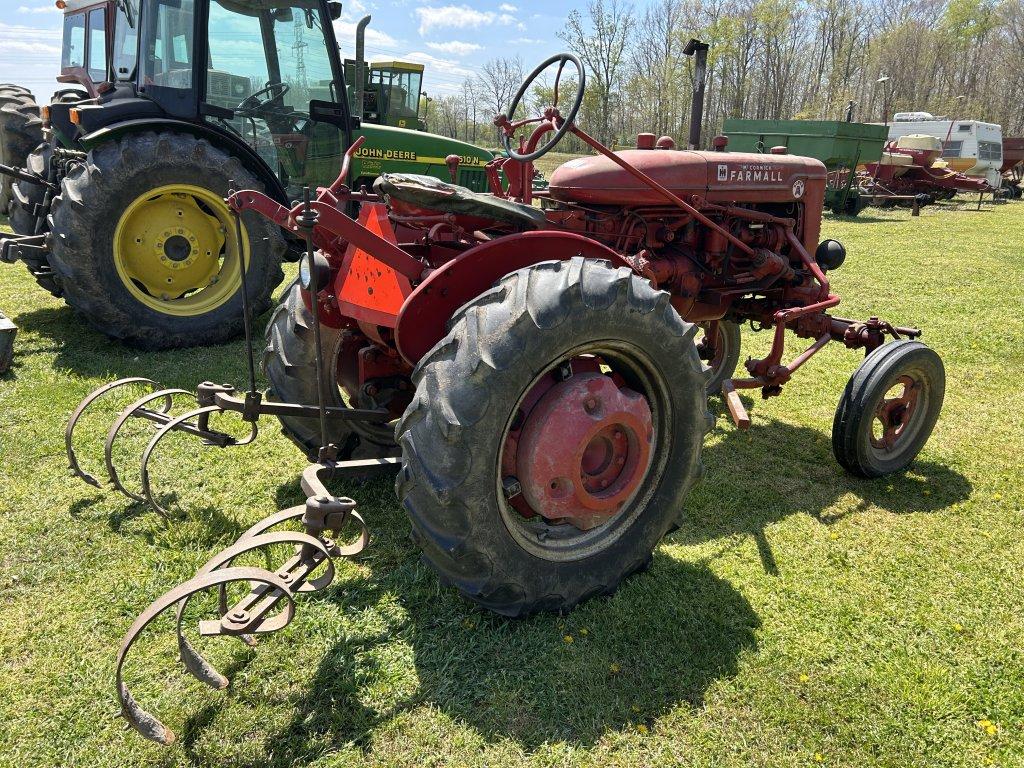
x: 121, y: 209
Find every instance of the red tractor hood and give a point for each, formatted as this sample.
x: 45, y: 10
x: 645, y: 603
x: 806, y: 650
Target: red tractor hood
x: 718, y: 176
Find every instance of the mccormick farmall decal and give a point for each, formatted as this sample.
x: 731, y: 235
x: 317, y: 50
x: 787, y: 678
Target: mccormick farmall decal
x: 758, y: 172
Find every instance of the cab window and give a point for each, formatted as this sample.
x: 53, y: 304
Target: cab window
x: 167, y: 61
x: 74, y: 41
x: 126, y: 43
x: 97, y: 45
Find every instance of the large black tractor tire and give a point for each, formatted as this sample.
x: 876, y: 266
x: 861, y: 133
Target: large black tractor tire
x: 21, y: 130
x: 23, y: 221
x: 84, y: 218
x: 468, y: 394
x: 289, y: 363
x: 856, y: 437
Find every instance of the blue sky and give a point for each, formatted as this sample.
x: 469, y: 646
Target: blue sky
x: 453, y: 39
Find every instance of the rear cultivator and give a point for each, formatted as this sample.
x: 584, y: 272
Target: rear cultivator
x: 541, y: 371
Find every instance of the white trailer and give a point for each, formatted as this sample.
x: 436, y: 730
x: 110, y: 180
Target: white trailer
x: 972, y: 147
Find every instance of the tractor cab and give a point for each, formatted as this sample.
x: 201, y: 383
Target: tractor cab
x: 263, y: 70
x: 391, y: 93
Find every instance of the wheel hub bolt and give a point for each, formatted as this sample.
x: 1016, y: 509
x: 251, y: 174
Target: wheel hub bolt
x: 590, y: 404
x: 238, y: 616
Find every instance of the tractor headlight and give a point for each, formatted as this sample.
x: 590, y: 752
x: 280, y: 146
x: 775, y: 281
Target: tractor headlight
x: 323, y: 272
x: 830, y: 255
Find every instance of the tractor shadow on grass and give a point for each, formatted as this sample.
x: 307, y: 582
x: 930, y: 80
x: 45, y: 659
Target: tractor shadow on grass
x: 659, y: 642
x: 656, y: 644
x: 757, y: 478
x: 78, y: 347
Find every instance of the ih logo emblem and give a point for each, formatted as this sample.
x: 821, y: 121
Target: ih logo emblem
x: 723, y: 172
x: 798, y: 188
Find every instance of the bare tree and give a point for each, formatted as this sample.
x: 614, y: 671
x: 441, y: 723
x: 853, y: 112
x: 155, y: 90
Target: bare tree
x: 600, y: 42
x: 498, y: 82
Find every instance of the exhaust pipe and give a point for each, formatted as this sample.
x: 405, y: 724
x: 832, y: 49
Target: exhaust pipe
x: 700, y: 51
x: 360, y: 75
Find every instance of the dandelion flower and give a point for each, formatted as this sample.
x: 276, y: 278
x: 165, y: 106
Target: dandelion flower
x: 567, y: 638
x: 583, y: 631
x: 642, y: 729
x: 614, y: 668
x: 819, y: 758
x: 804, y: 678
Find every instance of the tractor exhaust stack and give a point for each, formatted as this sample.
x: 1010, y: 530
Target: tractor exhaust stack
x: 360, y: 75
x: 700, y: 51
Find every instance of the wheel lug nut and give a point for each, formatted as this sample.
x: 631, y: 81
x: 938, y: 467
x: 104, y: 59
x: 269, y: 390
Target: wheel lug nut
x: 618, y: 434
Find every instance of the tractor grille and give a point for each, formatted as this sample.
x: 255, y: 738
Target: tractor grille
x: 473, y: 178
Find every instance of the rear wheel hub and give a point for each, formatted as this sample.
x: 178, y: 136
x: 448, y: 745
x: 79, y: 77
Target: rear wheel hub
x: 584, y: 449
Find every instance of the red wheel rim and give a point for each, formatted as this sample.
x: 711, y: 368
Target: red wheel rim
x: 580, y: 446
x: 893, y: 414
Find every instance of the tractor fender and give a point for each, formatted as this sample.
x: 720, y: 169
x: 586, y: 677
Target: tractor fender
x: 423, y: 319
x: 220, y: 139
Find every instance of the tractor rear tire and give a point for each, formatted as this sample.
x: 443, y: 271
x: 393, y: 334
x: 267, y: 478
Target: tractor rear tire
x: 469, y: 391
x: 26, y: 197
x: 21, y: 130
x: 114, y: 187
x: 854, y: 442
x: 289, y: 363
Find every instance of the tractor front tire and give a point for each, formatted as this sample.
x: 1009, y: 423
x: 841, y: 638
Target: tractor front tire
x: 888, y: 409
x: 472, y: 388
x: 727, y: 356
x: 143, y: 210
x: 21, y: 130
x: 289, y: 363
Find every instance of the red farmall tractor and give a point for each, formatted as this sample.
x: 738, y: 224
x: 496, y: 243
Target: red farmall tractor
x: 540, y: 370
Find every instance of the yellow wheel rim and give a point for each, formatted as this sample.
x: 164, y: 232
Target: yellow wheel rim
x: 175, y: 250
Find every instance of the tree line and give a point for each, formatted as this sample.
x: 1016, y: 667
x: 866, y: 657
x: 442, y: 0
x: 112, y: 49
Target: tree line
x: 768, y: 59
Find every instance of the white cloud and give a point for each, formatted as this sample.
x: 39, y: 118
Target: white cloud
x: 526, y: 41
x: 457, y: 17
x: 437, y: 64
x: 346, y: 33
x: 21, y: 46
x: 507, y: 8
x: 455, y: 47
x: 51, y: 8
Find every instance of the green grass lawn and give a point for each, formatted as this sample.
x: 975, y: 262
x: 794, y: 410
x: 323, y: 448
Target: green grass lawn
x: 799, y: 617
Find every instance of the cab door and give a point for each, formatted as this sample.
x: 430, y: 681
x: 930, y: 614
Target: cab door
x: 273, y: 77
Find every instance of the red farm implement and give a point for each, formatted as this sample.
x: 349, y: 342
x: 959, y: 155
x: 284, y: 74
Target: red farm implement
x: 538, y: 376
x: 910, y: 169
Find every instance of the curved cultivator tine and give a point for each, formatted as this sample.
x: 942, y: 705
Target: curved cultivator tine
x: 195, y: 422
x: 134, y: 410
x: 83, y: 406
x: 253, y: 614
x: 144, y: 722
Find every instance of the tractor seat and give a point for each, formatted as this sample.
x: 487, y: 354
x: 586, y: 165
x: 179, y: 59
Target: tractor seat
x: 436, y: 195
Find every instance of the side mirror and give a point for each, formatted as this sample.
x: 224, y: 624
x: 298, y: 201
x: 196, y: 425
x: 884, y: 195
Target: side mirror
x: 334, y: 8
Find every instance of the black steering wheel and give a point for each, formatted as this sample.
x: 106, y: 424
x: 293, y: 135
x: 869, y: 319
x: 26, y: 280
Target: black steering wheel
x: 254, y: 103
x: 561, y: 123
